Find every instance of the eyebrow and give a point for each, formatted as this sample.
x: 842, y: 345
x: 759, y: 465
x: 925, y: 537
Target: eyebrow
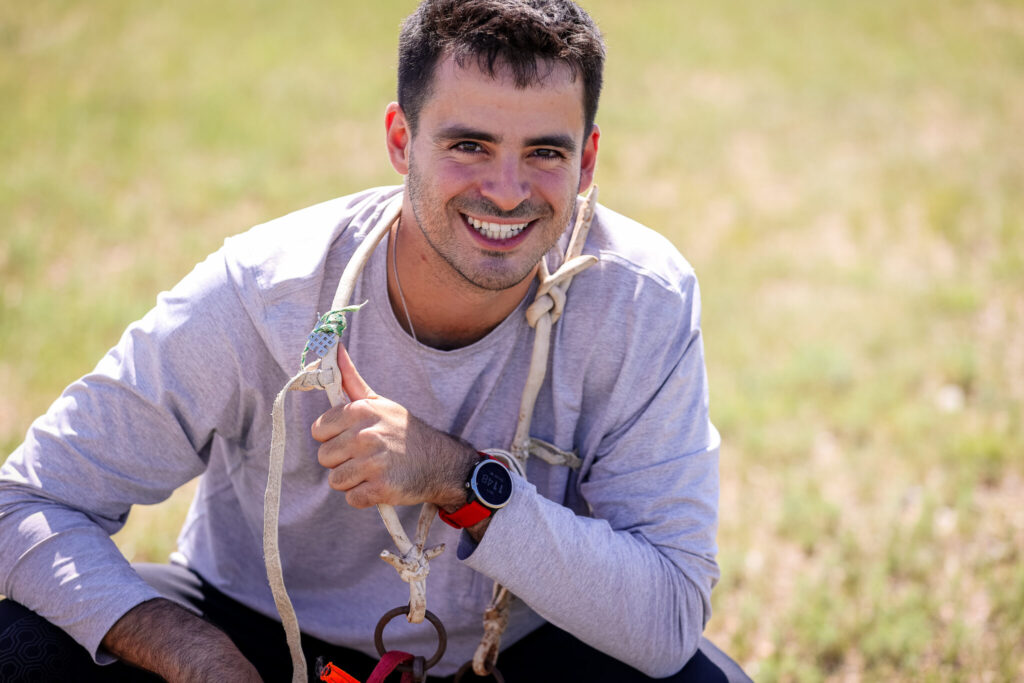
x: 458, y: 132
x: 557, y: 140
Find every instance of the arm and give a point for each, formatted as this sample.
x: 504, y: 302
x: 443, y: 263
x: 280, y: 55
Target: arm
x: 614, y: 589
x: 167, y: 639
x: 634, y: 578
x: 137, y: 427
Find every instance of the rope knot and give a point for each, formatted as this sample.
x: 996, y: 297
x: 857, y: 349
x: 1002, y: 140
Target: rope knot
x: 551, y: 293
x: 414, y: 565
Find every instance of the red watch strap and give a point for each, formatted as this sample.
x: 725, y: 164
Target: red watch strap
x: 470, y: 513
x: 467, y: 515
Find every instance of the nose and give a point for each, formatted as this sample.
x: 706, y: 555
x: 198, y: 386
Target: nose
x: 505, y: 184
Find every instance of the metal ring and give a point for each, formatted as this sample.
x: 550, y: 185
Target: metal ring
x: 468, y: 667
x: 442, y: 636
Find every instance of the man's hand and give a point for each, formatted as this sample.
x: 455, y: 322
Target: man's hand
x: 165, y: 638
x: 379, y: 453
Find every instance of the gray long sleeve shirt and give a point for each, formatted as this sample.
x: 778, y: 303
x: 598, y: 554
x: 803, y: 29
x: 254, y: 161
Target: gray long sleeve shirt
x: 620, y: 553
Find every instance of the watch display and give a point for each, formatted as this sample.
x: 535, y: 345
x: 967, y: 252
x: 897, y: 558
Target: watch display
x: 491, y: 483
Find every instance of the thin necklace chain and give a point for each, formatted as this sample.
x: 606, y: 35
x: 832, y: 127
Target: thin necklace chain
x: 405, y: 308
x: 398, y: 282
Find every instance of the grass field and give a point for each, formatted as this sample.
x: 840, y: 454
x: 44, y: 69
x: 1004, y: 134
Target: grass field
x: 846, y: 177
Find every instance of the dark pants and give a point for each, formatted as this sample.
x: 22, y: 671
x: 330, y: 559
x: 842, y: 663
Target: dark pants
x: 32, y: 649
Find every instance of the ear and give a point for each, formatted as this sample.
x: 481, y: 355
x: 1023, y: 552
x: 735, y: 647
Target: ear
x: 588, y: 163
x: 398, y: 137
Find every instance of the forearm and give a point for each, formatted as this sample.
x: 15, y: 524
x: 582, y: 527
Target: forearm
x: 98, y: 588
x: 57, y: 562
x: 165, y: 638
x: 612, y: 589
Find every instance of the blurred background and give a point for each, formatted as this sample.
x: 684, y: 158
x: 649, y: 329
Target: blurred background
x: 847, y: 178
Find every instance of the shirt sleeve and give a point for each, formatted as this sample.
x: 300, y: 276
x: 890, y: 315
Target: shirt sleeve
x: 137, y: 427
x: 634, y: 579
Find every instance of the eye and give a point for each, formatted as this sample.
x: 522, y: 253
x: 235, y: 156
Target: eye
x: 546, y: 153
x: 467, y: 146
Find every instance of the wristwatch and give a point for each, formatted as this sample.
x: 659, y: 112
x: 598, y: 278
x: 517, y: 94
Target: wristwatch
x: 489, y: 487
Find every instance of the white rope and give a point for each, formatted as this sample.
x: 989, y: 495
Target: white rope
x: 320, y: 374
x: 271, y: 549
x: 412, y: 562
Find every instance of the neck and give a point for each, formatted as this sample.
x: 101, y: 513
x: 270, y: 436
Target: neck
x: 446, y: 312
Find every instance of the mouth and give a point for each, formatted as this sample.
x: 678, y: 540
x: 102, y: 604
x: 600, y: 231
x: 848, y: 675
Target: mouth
x: 495, y: 231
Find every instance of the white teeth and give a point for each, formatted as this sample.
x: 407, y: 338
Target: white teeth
x: 496, y: 231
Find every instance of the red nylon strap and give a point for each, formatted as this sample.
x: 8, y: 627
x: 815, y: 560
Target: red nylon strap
x: 388, y: 663
x: 329, y: 673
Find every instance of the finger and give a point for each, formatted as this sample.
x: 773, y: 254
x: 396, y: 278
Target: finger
x: 330, y: 424
x: 362, y: 487
x: 351, y: 381
x: 334, y: 452
x: 363, y: 495
x: 345, y: 476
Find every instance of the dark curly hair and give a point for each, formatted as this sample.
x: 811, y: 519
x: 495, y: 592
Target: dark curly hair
x: 498, y: 34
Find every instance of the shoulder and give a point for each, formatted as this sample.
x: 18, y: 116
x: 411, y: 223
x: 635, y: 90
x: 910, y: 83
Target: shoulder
x: 636, y: 312
x: 639, y: 271
x: 292, y: 251
x: 630, y: 338
x: 283, y: 273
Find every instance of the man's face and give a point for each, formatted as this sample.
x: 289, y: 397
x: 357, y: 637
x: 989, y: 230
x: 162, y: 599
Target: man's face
x: 493, y: 171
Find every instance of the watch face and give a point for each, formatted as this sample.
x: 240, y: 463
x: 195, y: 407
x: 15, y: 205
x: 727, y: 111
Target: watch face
x: 492, y: 484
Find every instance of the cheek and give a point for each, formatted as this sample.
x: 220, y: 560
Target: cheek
x: 556, y: 185
x: 454, y: 174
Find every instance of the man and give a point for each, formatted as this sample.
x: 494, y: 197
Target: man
x: 613, y: 564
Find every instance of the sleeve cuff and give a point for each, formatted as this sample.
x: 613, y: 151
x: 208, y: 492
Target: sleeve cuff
x: 86, y: 596
x: 505, y: 523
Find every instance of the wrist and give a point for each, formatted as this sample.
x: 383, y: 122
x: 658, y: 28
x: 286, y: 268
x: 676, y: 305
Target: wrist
x: 477, y: 531
x: 487, y: 489
x: 452, y: 493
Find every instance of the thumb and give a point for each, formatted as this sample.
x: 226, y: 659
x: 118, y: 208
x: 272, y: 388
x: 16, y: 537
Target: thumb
x: 351, y: 381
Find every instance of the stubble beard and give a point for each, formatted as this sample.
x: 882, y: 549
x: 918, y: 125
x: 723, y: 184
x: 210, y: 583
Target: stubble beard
x: 500, y: 271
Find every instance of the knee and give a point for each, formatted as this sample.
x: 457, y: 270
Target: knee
x: 709, y: 663
x: 33, y: 649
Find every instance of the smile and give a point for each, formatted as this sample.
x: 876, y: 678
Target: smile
x: 495, y: 231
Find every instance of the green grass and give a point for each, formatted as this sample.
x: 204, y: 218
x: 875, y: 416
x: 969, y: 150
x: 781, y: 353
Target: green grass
x: 845, y: 177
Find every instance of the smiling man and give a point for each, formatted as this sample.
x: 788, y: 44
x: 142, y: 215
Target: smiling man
x: 612, y: 561
x: 503, y: 161
x: 492, y: 172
